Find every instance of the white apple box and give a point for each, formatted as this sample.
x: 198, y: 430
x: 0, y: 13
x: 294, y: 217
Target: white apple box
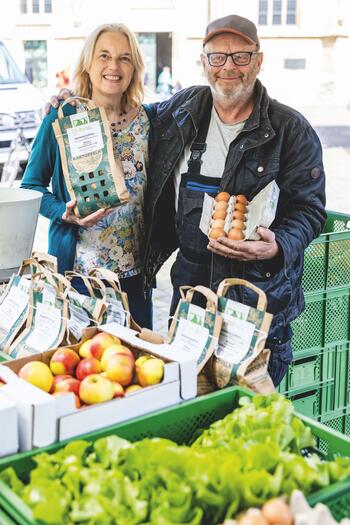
x: 179, y: 383
x: 45, y: 419
x: 9, y: 421
x: 36, y: 409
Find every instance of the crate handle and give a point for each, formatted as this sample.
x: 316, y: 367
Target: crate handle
x: 227, y: 283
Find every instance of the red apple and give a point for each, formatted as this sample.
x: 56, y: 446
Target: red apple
x: 118, y: 389
x: 64, y: 361
x: 58, y: 379
x: 87, y: 366
x: 85, y: 349
x: 96, y: 389
x: 100, y: 342
x: 68, y: 385
x: 76, y: 398
x: 114, y: 349
x: 38, y: 374
x: 120, y: 368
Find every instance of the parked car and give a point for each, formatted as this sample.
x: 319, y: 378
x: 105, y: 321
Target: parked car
x: 20, y: 105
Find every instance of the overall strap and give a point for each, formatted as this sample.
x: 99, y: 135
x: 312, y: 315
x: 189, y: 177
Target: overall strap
x: 199, y: 145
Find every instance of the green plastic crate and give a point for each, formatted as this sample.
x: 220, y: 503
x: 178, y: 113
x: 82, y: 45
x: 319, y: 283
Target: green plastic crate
x: 177, y: 423
x: 308, y: 328
x: 336, y: 362
x: 305, y: 372
x: 326, y: 319
x: 335, y: 421
x: 327, y: 259
x: 307, y: 402
x: 337, y: 316
x: 337, y: 497
x: 5, y: 519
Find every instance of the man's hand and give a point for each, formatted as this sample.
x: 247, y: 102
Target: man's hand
x: 86, y: 222
x: 266, y: 248
x: 54, y: 102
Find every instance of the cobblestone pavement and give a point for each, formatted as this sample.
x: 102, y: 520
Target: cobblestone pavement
x: 337, y: 167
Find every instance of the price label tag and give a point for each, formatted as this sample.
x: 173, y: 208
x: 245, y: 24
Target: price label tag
x: 46, y: 329
x: 235, y: 338
x: 190, y: 337
x: 12, y: 307
x: 79, y: 320
x: 85, y: 139
x: 115, y: 312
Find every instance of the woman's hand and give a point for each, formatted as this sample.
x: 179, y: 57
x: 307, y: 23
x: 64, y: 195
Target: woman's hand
x: 54, y: 102
x: 85, y: 222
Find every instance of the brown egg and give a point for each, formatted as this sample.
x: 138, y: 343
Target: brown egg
x: 241, y: 207
x: 238, y: 215
x: 241, y: 198
x: 216, y: 233
x: 222, y: 196
x: 235, y: 235
x: 221, y: 214
x: 237, y: 224
x: 221, y: 205
x: 218, y: 223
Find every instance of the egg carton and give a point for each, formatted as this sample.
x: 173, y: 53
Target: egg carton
x: 241, y: 215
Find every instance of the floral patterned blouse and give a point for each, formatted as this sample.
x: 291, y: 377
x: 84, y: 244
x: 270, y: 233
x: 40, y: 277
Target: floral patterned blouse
x: 117, y: 241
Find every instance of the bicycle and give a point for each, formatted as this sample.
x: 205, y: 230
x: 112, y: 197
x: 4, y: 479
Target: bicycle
x: 18, y: 143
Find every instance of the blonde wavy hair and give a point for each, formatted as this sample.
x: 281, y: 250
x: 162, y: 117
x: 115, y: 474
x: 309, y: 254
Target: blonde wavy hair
x: 82, y: 86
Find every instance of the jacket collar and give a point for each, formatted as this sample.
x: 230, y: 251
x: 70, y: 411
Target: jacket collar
x: 191, y: 101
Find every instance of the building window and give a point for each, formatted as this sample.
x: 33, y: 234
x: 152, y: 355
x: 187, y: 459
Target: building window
x: 291, y: 12
x: 263, y: 5
x: 35, y: 6
x: 294, y: 63
x: 23, y: 7
x: 277, y: 12
x: 48, y: 6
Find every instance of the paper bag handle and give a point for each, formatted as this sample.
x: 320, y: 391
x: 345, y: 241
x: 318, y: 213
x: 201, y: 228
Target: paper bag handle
x: 87, y: 281
x: 227, y: 283
x: 108, y: 275
x: 89, y: 103
x: 212, y: 299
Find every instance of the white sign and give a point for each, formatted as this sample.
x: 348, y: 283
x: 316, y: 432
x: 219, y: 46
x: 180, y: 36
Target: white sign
x: 85, y: 139
x: 79, y: 320
x: 115, y: 312
x: 12, y: 307
x: 190, y: 337
x: 47, y: 326
x: 235, y: 338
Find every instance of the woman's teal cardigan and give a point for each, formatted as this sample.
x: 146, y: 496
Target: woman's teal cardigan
x: 44, y: 167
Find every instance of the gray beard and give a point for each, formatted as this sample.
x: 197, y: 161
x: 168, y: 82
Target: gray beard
x: 235, y: 97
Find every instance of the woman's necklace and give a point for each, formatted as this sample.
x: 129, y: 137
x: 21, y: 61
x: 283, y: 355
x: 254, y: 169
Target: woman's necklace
x: 120, y: 123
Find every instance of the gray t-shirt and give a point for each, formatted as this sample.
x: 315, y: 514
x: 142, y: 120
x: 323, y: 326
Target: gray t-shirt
x: 219, y: 138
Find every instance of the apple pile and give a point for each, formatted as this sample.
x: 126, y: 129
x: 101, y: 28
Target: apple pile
x: 103, y: 369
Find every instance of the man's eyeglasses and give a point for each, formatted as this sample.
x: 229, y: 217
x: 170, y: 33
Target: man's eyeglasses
x: 241, y: 58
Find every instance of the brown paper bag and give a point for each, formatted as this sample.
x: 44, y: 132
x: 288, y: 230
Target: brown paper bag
x: 241, y: 357
x: 46, y: 324
x: 193, y: 338
x: 93, y: 175
x: 117, y: 303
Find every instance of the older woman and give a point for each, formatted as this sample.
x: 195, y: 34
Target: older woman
x: 110, y: 72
